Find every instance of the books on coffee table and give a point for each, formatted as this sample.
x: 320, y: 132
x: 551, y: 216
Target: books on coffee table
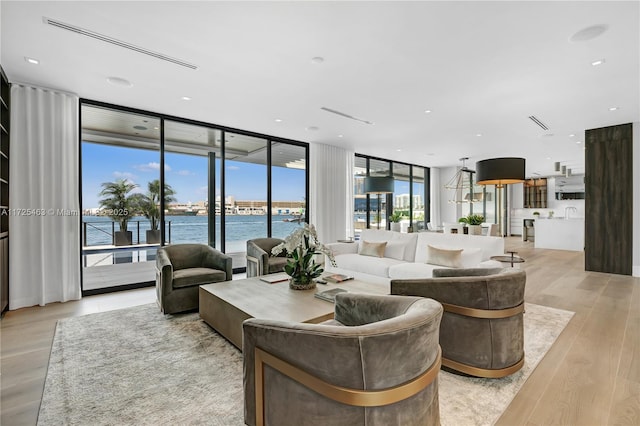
x: 330, y: 295
x: 274, y: 278
x: 337, y: 278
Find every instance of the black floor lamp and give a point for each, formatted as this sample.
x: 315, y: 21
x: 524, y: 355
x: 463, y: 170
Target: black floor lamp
x: 500, y: 172
x: 378, y: 185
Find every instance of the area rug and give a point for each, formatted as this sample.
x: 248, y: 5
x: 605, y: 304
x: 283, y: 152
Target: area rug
x: 136, y: 366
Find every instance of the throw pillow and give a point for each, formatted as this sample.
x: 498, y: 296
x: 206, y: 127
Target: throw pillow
x: 444, y: 257
x: 372, y: 249
x: 471, y: 257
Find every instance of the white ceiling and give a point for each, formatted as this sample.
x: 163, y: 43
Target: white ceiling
x: 480, y: 67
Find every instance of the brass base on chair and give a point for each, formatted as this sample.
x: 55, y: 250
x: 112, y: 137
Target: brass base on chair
x: 482, y: 372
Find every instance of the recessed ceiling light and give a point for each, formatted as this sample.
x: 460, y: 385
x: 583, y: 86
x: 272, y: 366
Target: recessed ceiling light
x: 571, y: 135
x: 117, y: 81
x: 340, y: 136
x: 398, y: 150
x: 31, y: 60
x: 614, y: 108
x: 312, y: 128
x: 427, y: 111
x: 139, y: 127
x: 156, y: 128
x: 589, y: 33
x: 598, y: 62
x: 479, y: 134
x: 186, y: 98
x: 317, y: 60
x: 278, y: 120
x: 548, y: 158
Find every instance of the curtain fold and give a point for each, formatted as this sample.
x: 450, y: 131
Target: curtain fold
x: 331, y: 191
x: 44, y: 227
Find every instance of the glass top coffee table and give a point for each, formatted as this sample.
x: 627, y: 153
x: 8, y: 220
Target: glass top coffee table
x: 509, y: 259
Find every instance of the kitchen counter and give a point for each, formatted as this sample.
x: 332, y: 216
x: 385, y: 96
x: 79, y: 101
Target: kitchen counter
x: 560, y: 234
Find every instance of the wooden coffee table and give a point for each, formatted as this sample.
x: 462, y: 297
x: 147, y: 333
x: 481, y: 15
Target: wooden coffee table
x: 224, y: 306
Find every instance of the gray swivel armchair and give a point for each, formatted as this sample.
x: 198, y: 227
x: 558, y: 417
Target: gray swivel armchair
x: 376, y: 364
x: 182, y: 268
x: 260, y: 261
x: 481, y: 333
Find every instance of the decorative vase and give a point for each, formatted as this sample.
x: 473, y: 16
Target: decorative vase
x: 475, y: 229
x: 296, y: 285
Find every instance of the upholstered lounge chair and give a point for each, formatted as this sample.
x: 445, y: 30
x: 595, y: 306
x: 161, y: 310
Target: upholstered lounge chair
x: 182, y: 268
x: 376, y: 364
x: 481, y: 333
x: 260, y: 261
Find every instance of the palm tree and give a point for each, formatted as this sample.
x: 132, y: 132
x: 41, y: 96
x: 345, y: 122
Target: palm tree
x: 119, y: 205
x: 150, y: 202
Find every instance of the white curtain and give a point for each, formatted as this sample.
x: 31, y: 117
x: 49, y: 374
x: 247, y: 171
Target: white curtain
x: 436, y: 199
x: 44, y: 228
x: 331, y: 191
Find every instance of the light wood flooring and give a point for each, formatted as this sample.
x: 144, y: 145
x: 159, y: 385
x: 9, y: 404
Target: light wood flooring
x: 591, y: 376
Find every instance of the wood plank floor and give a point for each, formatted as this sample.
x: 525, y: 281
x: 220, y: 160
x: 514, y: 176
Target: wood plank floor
x: 591, y: 376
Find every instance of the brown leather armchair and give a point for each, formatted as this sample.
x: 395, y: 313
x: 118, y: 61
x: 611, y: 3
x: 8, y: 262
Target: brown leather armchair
x: 182, y: 268
x: 481, y: 333
x: 260, y: 261
x: 375, y: 363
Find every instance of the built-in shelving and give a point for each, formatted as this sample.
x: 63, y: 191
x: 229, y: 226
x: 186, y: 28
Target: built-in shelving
x: 5, y: 104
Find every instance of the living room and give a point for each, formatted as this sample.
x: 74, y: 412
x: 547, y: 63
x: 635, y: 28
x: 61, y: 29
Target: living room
x: 413, y: 86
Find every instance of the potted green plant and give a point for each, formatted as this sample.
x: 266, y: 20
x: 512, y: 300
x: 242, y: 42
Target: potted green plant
x: 119, y: 205
x: 301, y: 247
x: 395, y: 219
x: 150, y: 207
x: 474, y: 222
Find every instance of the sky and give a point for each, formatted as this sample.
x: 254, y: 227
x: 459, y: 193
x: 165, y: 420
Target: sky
x: 187, y: 175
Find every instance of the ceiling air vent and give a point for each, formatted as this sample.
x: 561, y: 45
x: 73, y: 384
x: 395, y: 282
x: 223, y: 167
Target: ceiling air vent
x: 538, y: 122
x: 342, y: 114
x: 116, y: 42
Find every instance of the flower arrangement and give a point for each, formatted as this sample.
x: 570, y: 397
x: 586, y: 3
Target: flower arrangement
x: 301, y: 246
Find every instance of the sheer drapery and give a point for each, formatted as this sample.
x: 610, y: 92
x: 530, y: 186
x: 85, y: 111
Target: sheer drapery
x: 331, y: 191
x: 436, y: 190
x: 44, y: 225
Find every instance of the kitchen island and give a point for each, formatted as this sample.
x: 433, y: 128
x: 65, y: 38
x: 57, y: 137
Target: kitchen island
x: 560, y: 234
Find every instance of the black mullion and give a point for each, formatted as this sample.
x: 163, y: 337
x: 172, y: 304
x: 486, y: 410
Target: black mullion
x: 223, y: 202
x: 211, y: 214
x: 411, y: 196
x: 269, y: 163
x: 80, y: 189
x: 162, y: 206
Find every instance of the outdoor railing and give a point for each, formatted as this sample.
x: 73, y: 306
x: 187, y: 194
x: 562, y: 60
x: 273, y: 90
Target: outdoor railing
x: 109, y: 229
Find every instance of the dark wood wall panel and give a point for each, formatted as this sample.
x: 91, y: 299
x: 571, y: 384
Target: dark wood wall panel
x: 609, y: 199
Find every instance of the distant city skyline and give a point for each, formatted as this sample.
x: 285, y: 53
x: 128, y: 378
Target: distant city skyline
x: 187, y: 175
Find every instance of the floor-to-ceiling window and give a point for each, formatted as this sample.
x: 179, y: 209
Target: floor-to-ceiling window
x: 120, y: 162
x: 181, y: 181
x: 288, y: 188
x: 408, y: 204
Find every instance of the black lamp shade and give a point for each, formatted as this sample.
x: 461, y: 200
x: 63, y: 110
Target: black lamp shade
x: 378, y: 184
x: 500, y: 171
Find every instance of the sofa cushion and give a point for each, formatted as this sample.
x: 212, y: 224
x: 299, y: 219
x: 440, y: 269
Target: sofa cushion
x: 370, y: 265
x: 395, y: 250
x: 408, y: 271
x: 368, y: 248
x: 490, y: 246
x: 380, y: 235
x: 444, y: 257
x: 196, y: 276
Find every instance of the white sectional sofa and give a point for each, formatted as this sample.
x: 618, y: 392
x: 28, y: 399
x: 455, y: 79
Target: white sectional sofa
x: 405, y: 255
